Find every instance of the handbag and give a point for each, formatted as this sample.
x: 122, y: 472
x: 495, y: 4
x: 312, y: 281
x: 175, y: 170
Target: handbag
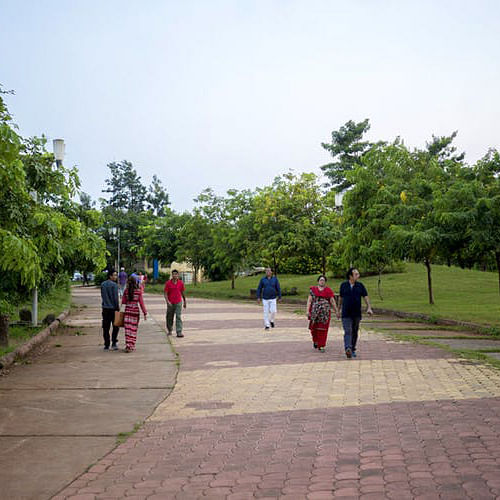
x: 119, y: 318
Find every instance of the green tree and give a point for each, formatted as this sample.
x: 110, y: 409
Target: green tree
x: 125, y: 188
x: 157, y: 198
x: 485, y: 229
x: 291, y: 223
x: 195, y: 243
x: 231, y: 226
x: 161, y: 237
x: 347, y: 148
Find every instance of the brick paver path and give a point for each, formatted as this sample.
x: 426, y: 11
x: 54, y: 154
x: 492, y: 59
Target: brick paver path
x: 258, y: 414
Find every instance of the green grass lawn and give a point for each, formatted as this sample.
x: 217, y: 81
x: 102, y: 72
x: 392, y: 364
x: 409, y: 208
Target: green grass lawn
x: 55, y: 302
x: 460, y: 294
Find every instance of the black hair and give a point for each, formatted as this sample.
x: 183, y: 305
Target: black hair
x: 322, y: 276
x: 349, y: 272
x: 131, y: 286
x: 110, y: 273
x: 175, y: 271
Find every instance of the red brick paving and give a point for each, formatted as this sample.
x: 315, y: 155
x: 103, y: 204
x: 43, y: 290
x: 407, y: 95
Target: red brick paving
x: 443, y: 449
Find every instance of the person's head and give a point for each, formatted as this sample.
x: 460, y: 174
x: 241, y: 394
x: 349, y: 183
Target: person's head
x: 122, y: 269
x: 352, y: 274
x: 112, y: 275
x: 175, y: 275
x: 321, y: 280
x: 140, y: 273
x: 131, y: 286
x: 269, y: 272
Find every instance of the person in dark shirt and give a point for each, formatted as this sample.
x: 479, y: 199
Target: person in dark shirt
x: 269, y: 291
x: 110, y: 304
x: 351, y: 292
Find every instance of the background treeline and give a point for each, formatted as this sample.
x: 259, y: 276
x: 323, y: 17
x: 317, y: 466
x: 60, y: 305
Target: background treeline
x: 424, y: 205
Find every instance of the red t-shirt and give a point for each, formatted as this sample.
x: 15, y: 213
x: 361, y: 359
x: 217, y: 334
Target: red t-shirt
x: 327, y: 292
x: 174, y: 291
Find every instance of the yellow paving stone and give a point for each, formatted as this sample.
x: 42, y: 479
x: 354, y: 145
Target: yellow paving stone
x: 328, y: 384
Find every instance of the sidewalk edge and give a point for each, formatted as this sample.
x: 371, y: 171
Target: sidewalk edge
x: 23, y: 350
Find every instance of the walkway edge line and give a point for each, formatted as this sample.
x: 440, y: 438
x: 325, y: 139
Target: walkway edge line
x: 23, y: 350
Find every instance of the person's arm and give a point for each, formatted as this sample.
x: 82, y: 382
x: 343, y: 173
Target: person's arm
x: 116, y: 300
x: 259, y: 290
x: 308, y: 307
x: 166, y: 295
x: 124, y: 298
x: 143, y: 306
x: 368, y: 306
x: 367, y: 300
x: 334, y: 305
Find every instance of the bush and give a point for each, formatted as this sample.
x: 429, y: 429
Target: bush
x: 99, y: 278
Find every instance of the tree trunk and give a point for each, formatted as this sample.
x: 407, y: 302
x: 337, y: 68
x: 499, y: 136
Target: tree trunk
x: 195, y: 277
x: 429, y: 280
x: 232, y: 281
x: 497, y: 257
x: 379, y: 282
x: 4, y: 330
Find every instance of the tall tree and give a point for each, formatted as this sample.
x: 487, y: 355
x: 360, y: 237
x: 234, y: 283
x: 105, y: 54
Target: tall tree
x: 125, y: 187
x: 347, y: 148
x: 157, y: 198
x: 485, y: 231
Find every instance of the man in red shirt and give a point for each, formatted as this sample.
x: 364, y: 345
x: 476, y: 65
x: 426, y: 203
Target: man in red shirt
x: 174, y: 296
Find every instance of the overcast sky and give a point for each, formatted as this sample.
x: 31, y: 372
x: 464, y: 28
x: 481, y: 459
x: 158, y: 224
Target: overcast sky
x: 229, y: 94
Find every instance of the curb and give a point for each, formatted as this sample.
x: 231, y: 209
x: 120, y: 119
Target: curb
x: 23, y: 350
x: 426, y: 317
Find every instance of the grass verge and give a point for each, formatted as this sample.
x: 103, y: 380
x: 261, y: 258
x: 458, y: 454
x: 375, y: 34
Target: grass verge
x: 54, y: 302
x: 459, y: 294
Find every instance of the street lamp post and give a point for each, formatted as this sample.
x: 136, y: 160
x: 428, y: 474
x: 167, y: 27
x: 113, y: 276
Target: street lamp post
x: 58, y: 148
x: 116, y: 232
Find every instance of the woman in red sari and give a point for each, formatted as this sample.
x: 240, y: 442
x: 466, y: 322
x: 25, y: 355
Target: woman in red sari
x: 132, y: 298
x: 320, y: 302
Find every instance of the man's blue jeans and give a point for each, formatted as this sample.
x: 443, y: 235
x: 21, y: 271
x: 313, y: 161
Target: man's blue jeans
x: 351, y: 328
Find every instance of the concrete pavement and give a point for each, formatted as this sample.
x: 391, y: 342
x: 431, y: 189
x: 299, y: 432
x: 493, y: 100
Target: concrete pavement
x: 63, y: 411
x: 258, y: 414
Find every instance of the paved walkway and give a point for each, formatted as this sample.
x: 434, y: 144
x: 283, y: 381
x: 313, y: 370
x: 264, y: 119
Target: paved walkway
x: 258, y: 414
x: 63, y: 410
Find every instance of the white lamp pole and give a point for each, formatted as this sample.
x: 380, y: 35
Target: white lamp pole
x: 115, y: 231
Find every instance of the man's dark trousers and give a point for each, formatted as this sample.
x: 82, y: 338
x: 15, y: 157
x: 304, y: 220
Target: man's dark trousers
x: 108, y: 316
x: 351, y: 329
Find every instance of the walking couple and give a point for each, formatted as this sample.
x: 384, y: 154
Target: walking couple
x: 321, y: 301
x: 132, y: 299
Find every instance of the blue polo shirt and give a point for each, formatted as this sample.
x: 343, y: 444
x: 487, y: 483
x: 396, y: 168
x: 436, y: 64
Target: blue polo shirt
x: 351, y: 299
x: 269, y: 288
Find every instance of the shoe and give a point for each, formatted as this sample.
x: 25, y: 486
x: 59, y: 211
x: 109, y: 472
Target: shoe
x: 348, y: 352
x: 180, y: 335
x: 114, y: 347
x: 353, y: 354
x: 106, y: 348
x: 127, y: 350
x: 315, y: 346
x: 266, y: 328
x: 272, y: 324
x: 321, y: 349
x: 169, y: 332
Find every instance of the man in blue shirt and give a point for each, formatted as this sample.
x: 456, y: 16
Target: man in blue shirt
x: 351, y: 292
x: 269, y: 290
